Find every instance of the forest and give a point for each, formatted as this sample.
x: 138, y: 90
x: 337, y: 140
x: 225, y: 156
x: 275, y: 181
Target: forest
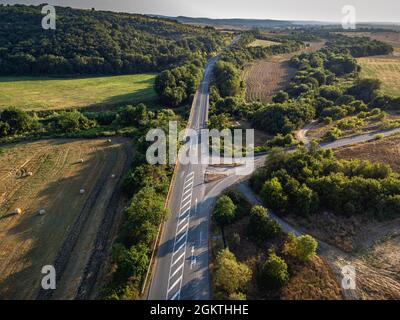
x: 96, y: 42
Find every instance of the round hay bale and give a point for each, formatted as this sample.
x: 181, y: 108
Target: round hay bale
x: 82, y: 191
x: 29, y: 174
x: 42, y: 212
x: 17, y: 211
x: 109, y: 140
x: 80, y: 161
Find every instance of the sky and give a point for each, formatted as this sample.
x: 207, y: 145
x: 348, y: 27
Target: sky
x: 320, y: 10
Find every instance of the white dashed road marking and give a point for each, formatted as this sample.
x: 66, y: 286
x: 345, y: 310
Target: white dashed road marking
x: 177, y: 265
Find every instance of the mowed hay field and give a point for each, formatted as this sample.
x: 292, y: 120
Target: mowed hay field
x: 262, y: 43
x: 265, y: 77
x: 66, y: 235
x: 384, y: 68
x: 40, y: 93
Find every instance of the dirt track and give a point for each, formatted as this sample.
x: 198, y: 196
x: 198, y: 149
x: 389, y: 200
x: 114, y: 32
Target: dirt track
x: 73, y: 225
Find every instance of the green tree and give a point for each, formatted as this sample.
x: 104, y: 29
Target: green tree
x: 303, y: 248
x: 219, y: 122
x: 274, y: 272
x: 224, y: 211
x: 273, y: 195
x: 227, y: 78
x: 230, y: 275
x: 131, y: 262
x: 280, y: 97
x: 261, y: 227
x: 71, y: 122
x: 147, y: 205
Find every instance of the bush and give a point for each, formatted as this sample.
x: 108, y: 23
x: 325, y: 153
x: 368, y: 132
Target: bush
x: 237, y: 296
x: 303, y: 248
x: 15, y: 121
x: 70, y: 122
x: 333, y: 134
x: 328, y: 120
x: 282, y: 141
x: 230, y: 276
x: 134, y: 115
x: 274, y: 272
x: 131, y: 262
x: 280, y: 97
x: 219, y: 122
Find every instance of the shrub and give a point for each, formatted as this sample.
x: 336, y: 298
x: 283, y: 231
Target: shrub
x: 280, y: 97
x: 15, y: 121
x: 333, y: 134
x: 230, y: 275
x: 274, y: 272
x: 237, y: 296
x: 303, y: 248
x: 70, y: 122
x: 328, y: 120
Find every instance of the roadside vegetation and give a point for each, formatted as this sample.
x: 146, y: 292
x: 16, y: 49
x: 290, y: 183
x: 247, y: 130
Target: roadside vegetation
x: 254, y: 259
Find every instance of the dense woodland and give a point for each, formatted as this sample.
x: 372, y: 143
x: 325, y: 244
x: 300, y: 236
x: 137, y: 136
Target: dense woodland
x: 96, y: 42
x: 307, y: 182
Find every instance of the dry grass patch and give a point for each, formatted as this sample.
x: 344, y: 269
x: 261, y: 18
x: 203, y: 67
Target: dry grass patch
x: 384, y: 68
x: 29, y: 241
x: 312, y: 281
x: 385, y: 151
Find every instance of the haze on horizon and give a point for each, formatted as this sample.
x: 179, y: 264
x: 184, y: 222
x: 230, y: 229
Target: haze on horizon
x: 310, y: 10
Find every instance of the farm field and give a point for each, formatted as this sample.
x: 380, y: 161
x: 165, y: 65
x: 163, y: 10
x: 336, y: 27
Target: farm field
x: 265, y: 77
x: 41, y: 93
x: 384, y: 68
x: 73, y: 224
x: 262, y: 43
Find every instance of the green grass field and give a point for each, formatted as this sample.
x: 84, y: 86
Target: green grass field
x: 42, y: 93
x: 386, y: 69
x: 262, y: 43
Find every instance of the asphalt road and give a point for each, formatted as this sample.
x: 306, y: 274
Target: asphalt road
x: 181, y: 263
